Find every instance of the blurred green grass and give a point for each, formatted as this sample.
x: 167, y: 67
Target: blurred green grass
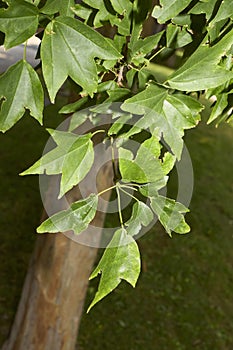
x: 183, y: 299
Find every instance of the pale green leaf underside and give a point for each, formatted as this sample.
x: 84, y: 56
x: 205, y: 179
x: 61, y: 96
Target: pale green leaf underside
x: 146, y: 167
x: 19, y: 22
x: 170, y: 114
x: 141, y: 216
x: 170, y: 214
x: 121, y: 260
x: 73, y: 158
x: 76, y: 218
x: 201, y: 70
x: 221, y: 104
x: 79, y: 45
x: 20, y: 89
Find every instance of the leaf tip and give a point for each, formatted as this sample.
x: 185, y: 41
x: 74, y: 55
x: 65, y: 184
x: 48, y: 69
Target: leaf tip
x: 90, y: 307
x: 94, y: 302
x: 39, y: 229
x: 61, y: 194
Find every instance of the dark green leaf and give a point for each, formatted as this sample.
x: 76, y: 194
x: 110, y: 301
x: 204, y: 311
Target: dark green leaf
x: 118, y: 94
x: 121, y: 260
x: 142, y: 47
x: 64, y: 7
x: 203, y: 6
x: 122, y: 6
x: 19, y: 22
x: 146, y: 45
x: 75, y: 106
x: 169, y: 9
x: 76, y: 218
x: 214, y: 30
x: 122, y: 24
x: 201, y: 71
x: 102, y: 15
x: 108, y: 13
x: 177, y: 37
x: 183, y: 20
x: 82, y: 11
x: 20, y: 89
x: 225, y: 11
x: 106, y: 86
x: 171, y: 114
x: 76, y: 61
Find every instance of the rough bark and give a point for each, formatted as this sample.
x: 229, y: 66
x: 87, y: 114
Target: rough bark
x: 53, y: 295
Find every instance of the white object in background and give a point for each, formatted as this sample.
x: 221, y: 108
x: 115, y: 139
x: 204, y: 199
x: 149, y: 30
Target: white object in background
x: 11, y: 56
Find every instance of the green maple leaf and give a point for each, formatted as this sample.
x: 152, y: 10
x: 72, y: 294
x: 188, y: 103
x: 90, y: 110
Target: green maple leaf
x: 73, y: 158
x: 122, y: 6
x: 79, y: 45
x: 170, y: 114
x: 102, y: 15
x: 225, y: 10
x: 20, y: 89
x: 177, y: 36
x: 169, y: 9
x: 19, y: 22
x: 121, y: 260
x: 76, y: 218
x: 106, y: 11
x: 141, y: 47
x: 206, y: 7
x: 64, y: 7
x: 201, y: 71
x: 82, y: 11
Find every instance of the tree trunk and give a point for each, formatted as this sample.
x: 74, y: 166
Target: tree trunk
x: 53, y: 295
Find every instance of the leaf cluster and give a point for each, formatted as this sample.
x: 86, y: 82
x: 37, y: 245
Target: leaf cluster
x: 155, y: 73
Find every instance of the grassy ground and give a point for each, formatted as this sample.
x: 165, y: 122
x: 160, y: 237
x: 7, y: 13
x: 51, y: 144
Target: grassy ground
x: 183, y: 299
